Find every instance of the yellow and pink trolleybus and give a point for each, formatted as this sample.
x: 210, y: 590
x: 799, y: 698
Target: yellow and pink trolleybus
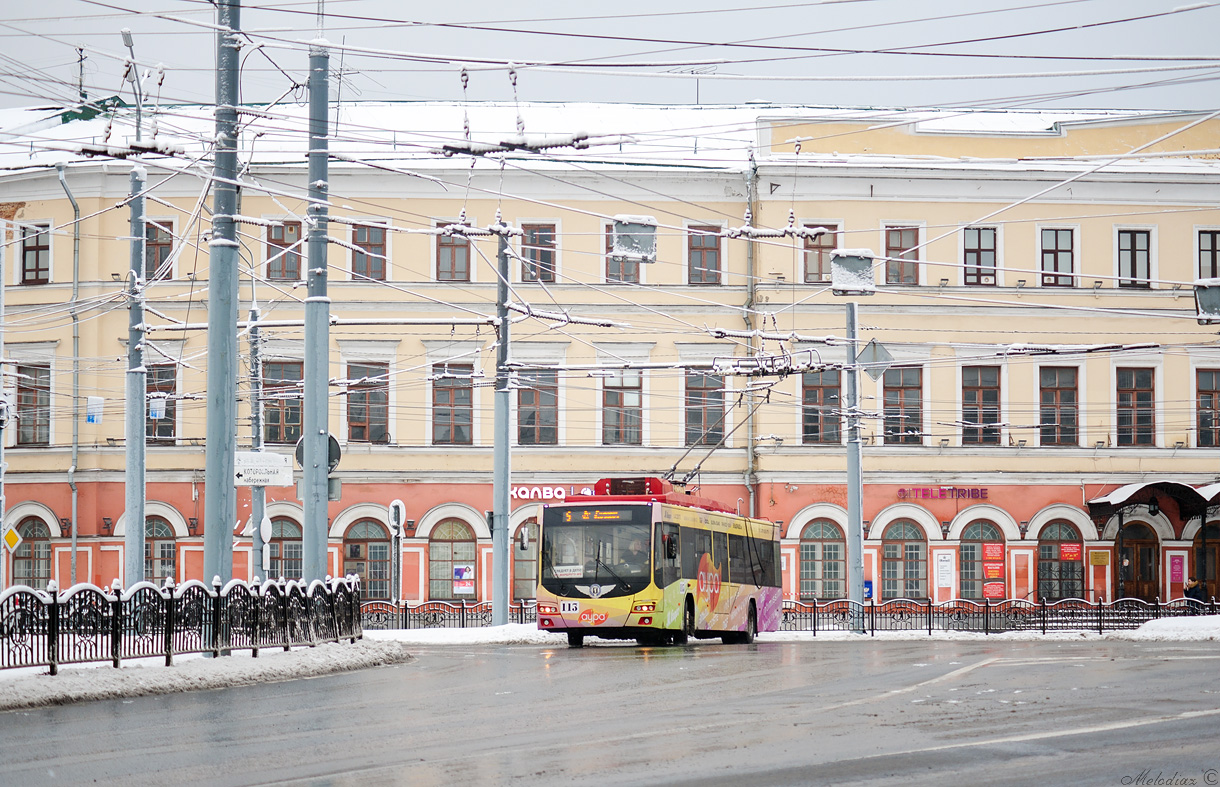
x: 639, y: 560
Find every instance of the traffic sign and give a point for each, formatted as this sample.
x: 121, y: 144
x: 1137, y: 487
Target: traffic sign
x: 333, y: 453
x: 257, y: 468
x: 12, y: 539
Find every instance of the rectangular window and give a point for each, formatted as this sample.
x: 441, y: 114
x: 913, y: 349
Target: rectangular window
x: 161, y: 381
x: 903, y: 388
x: 1134, y: 267
x: 622, y: 408
x: 703, y: 255
x: 538, y: 249
x: 820, y: 407
x: 978, y: 256
x: 538, y: 408
x: 1209, y: 254
x: 1058, y: 258
x: 34, y: 404
x: 902, y: 255
x: 452, y: 258
x: 817, y: 254
x: 284, y: 251
x: 704, y: 408
x: 1136, y: 413
x: 369, y: 262
x: 282, y: 397
x: 981, y: 405
x: 452, y: 404
x: 619, y: 269
x: 158, y: 243
x: 36, y: 254
x: 1058, y: 406
x: 368, y: 402
x: 1208, y: 407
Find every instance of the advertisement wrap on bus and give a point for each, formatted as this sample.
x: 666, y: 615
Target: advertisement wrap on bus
x: 638, y: 560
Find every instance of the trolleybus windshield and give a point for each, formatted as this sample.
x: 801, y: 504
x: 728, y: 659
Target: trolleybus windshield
x: 607, y: 546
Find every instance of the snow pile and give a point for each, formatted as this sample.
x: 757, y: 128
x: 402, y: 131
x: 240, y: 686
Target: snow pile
x: 1198, y: 628
x: 34, y: 687
x: 510, y: 634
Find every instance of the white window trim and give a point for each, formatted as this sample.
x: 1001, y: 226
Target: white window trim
x: 542, y: 353
x: 465, y: 352
x: 475, y: 259
x: 351, y: 255
x: 1201, y: 358
x: 369, y: 351
x: 30, y: 353
x: 1005, y: 434
x: 724, y: 252
x: 1195, y: 231
x: 302, y: 248
x: 1156, y: 362
x: 170, y: 223
x: 616, y: 353
x: 839, y: 225
x: 835, y: 355
x: 1077, y: 252
x: 18, y: 249
x: 1153, y: 262
x: 516, y: 274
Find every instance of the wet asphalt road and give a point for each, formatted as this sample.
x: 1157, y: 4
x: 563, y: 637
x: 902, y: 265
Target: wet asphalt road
x: 835, y: 713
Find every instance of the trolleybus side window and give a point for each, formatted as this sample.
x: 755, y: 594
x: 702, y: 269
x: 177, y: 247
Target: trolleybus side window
x: 695, y: 543
x: 767, y: 551
x: 666, y: 555
x: 720, y: 558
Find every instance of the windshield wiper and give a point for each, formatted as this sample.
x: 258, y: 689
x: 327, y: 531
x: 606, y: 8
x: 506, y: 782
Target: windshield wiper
x: 597, y: 561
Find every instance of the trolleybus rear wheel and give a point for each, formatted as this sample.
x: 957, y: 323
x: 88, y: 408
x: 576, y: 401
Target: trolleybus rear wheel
x: 747, y: 636
x: 576, y: 639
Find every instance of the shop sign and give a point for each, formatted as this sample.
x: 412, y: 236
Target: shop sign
x: 1099, y: 558
x: 993, y: 590
x: 1177, y: 568
x: 993, y: 552
x: 1070, y: 551
x: 463, y: 580
x: 944, y: 570
x: 943, y: 493
x: 993, y: 571
x: 547, y: 492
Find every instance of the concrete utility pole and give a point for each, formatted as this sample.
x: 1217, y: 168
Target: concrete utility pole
x: 500, y: 465
x: 136, y: 393
x: 316, y: 435
x: 258, y: 494
x: 220, y: 493
x: 855, y: 478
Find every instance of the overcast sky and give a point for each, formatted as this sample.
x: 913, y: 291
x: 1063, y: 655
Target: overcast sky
x: 651, y: 51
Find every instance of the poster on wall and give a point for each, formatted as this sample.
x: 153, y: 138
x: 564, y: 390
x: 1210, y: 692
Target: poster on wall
x: 463, y: 580
x: 1177, y: 568
x: 944, y: 570
x: 993, y: 590
x: 993, y: 571
x: 1070, y: 551
x: 993, y: 552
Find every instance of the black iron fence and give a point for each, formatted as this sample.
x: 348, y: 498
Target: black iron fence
x: 983, y: 617
x: 86, y: 623
x: 440, y: 614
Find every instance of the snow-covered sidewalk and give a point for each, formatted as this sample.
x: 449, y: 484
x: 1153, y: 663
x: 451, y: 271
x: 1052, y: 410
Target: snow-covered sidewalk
x: 33, y: 687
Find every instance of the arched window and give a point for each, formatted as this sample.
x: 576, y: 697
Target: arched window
x: 904, y: 561
x: 32, y: 560
x: 366, y: 552
x: 1060, y: 562
x: 981, y: 557
x: 285, y: 546
x: 160, y: 551
x: 451, y: 561
x: 823, y: 561
x: 525, y: 562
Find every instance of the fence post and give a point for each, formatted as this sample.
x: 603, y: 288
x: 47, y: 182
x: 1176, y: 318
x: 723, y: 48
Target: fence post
x: 287, y: 622
x: 1044, y: 614
x: 1156, y: 608
x: 53, y: 629
x: 986, y: 616
x: 216, y: 617
x: 257, y: 626
x: 872, y: 617
x: 116, y: 625
x: 171, y: 618
x: 1100, y: 629
x: 462, y: 615
x: 815, y: 615
x: 928, y: 601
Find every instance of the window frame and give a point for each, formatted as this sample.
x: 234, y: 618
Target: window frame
x: 896, y: 265
x: 289, y: 567
x: 1045, y: 560
x: 372, y: 259
x: 32, y: 560
x: 903, y: 560
x: 812, y: 561
x: 617, y: 392
x: 1133, y: 280
x: 161, y: 430
x: 974, y: 267
x: 535, y: 269
x: 158, y: 532
x: 445, y: 247
x: 277, y: 400
x: 447, y: 411
x: 1055, y: 276
x: 445, y: 533
x: 970, y: 557
x: 1136, y: 434
x: 537, y: 399
x: 621, y: 277
x: 283, y: 254
x: 1213, y: 234
x: 703, y: 408
x: 819, y: 427
x: 708, y: 276
x: 358, y: 394
x: 1207, y: 413
x: 159, y: 234
x: 33, y: 404
x: 902, y: 407
x: 370, y: 582
x: 976, y: 411
x: 1058, y: 407
x: 40, y: 271
x: 817, y: 250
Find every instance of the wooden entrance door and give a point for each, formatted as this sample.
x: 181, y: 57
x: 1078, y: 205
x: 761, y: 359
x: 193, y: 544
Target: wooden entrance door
x: 1139, y: 562
x: 1204, y: 558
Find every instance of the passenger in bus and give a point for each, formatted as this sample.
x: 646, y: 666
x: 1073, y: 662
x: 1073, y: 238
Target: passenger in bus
x: 635, y: 558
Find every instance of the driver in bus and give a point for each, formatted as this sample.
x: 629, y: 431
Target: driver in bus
x: 635, y: 557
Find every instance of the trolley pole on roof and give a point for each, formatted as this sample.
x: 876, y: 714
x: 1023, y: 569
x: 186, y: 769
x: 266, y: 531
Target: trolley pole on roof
x: 500, y: 469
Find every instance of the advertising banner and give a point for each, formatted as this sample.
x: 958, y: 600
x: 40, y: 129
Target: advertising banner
x: 1070, y: 551
x: 993, y: 552
x: 993, y: 590
x: 993, y: 571
x: 463, y: 580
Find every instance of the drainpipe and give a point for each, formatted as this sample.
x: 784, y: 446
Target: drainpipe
x: 75, y: 355
x: 747, y: 316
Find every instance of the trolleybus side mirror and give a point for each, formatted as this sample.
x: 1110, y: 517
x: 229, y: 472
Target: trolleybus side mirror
x: 671, y: 547
x: 523, y: 538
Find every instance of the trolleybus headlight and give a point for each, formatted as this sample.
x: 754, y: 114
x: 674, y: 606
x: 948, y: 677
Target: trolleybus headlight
x: 548, y: 609
x: 647, y: 606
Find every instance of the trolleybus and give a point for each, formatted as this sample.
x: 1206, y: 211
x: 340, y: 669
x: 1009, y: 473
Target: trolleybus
x: 638, y: 560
